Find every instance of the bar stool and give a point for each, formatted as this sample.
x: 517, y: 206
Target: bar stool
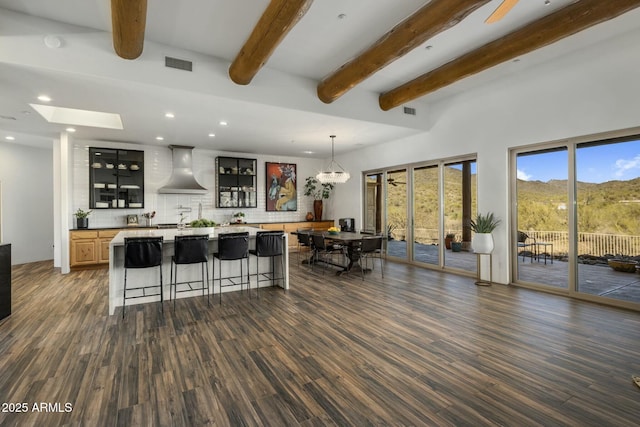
x: 142, y: 252
x: 268, y: 245
x: 191, y: 249
x: 232, y: 247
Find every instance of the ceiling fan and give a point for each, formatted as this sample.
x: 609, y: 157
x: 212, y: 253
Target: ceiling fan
x: 393, y: 182
x: 501, y: 11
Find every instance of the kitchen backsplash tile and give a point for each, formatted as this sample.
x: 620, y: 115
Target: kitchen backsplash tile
x: 158, y: 164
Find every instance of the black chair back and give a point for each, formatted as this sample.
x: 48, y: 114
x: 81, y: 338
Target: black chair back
x: 304, y: 236
x: 232, y: 246
x: 269, y: 243
x: 347, y: 224
x: 142, y: 252
x: 191, y: 249
x: 318, y: 242
x: 522, y: 236
x: 371, y: 244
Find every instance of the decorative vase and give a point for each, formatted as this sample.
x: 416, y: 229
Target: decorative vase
x: 482, y: 243
x: 82, y: 222
x: 317, y: 209
x: 456, y: 246
x: 309, y: 216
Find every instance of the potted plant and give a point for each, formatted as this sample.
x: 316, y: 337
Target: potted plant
x: 82, y: 220
x: 483, y: 226
x: 238, y: 217
x: 448, y: 238
x: 319, y: 191
x: 623, y: 263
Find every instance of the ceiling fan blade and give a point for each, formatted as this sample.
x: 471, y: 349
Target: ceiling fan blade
x: 501, y: 11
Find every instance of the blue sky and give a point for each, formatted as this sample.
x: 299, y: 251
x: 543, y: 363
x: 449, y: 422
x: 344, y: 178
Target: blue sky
x: 596, y: 164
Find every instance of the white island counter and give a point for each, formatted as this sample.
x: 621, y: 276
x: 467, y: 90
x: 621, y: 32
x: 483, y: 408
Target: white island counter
x: 137, y: 277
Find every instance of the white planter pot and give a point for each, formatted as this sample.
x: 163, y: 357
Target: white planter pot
x: 482, y: 243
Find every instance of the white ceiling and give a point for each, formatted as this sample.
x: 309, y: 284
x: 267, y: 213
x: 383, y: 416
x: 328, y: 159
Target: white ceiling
x: 278, y: 113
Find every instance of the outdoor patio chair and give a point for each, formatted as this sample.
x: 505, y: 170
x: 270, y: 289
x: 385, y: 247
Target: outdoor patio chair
x: 524, y: 242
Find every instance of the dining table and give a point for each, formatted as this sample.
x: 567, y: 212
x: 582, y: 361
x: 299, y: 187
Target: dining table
x: 351, y: 240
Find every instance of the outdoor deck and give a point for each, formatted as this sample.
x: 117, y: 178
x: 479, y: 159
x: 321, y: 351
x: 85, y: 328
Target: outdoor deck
x: 592, y: 279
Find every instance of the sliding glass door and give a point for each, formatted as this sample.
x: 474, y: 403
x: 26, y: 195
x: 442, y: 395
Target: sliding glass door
x: 608, y: 212
x: 426, y: 215
x: 542, y: 245
x: 397, y: 213
x: 459, y: 208
x: 422, y: 204
x: 576, y: 219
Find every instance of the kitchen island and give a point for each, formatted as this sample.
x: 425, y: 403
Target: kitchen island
x: 150, y: 276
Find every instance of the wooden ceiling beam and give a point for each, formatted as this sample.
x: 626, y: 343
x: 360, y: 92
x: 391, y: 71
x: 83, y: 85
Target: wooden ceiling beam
x: 274, y: 24
x: 433, y: 18
x: 545, y: 31
x: 128, y: 21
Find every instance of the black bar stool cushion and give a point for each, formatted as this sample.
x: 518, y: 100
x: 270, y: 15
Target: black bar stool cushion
x: 268, y: 243
x: 191, y: 249
x: 142, y: 252
x: 233, y: 246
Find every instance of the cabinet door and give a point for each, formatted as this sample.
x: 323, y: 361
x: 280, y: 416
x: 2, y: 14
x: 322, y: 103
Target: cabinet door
x: 83, y: 252
x: 116, y: 178
x: 104, y: 238
x: 103, y: 177
x: 236, y: 182
x: 130, y: 179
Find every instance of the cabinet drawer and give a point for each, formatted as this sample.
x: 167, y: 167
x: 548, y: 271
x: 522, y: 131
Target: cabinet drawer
x: 276, y: 227
x: 107, y: 233
x: 89, y: 234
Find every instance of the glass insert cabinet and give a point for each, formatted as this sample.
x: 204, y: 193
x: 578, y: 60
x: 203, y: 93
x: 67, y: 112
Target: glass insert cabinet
x: 236, y: 183
x: 116, y: 178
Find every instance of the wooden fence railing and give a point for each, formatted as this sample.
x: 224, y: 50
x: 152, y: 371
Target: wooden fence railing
x: 596, y: 244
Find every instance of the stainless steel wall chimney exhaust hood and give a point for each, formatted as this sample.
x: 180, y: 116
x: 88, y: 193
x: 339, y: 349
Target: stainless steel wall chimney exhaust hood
x: 182, y: 180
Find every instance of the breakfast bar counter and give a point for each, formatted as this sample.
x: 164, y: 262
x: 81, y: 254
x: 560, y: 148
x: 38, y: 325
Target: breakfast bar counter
x: 149, y: 276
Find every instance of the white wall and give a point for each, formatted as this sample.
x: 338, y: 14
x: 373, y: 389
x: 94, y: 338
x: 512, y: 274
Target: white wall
x: 590, y: 91
x: 27, y: 201
x: 157, y: 173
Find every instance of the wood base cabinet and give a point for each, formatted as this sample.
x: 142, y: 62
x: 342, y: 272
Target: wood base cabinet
x: 90, y: 247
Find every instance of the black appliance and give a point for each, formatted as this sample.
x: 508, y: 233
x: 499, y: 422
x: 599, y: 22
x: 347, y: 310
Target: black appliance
x: 347, y: 224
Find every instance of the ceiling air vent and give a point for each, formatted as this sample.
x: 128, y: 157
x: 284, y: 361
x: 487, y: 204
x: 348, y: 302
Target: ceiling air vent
x: 180, y: 64
x: 410, y: 111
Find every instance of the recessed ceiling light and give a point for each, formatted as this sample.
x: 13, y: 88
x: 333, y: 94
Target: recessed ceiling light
x: 516, y: 60
x: 70, y: 130
x: 211, y: 135
x: 223, y: 123
x: 342, y: 16
x: 44, y: 98
x: 10, y: 138
x: 159, y: 138
x: 428, y: 47
x: 308, y: 152
x: 169, y: 115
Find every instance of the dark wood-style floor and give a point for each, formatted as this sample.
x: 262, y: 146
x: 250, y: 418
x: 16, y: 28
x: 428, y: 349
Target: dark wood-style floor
x: 417, y: 348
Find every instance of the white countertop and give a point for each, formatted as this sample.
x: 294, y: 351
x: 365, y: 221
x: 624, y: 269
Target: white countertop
x: 169, y: 234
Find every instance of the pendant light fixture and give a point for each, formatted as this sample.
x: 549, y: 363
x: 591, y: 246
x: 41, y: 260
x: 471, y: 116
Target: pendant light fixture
x: 334, y: 173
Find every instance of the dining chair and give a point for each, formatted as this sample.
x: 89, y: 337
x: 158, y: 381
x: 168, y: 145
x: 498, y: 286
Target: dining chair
x: 324, y: 252
x: 371, y: 247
